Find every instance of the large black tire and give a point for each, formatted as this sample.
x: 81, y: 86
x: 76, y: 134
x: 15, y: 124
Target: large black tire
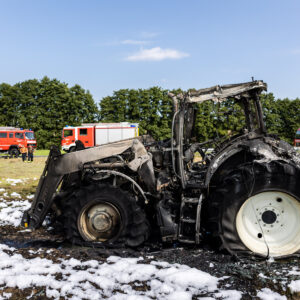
x: 247, y: 183
x: 14, y: 152
x: 72, y: 149
x: 133, y: 229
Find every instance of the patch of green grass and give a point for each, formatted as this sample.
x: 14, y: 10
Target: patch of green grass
x: 43, y: 152
x: 29, y: 172
x: 39, y: 152
x: 15, y: 168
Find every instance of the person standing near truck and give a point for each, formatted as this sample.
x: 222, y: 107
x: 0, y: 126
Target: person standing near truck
x: 23, y: 151
x: 30, y: 153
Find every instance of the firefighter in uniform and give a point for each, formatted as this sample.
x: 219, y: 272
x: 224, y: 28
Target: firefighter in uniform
x: 30, y: 153
x: 23, y: 151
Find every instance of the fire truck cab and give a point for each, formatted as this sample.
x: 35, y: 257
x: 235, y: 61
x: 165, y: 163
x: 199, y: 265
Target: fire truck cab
x: 297, y: 139
x: 12, y: 138
x: 95, y: 134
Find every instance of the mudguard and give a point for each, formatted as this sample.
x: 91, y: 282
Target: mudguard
x: 263, y: 147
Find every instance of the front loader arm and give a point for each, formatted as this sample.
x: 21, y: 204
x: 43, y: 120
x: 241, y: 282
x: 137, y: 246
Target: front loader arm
x: 58, y: 165
x: 46, y: 188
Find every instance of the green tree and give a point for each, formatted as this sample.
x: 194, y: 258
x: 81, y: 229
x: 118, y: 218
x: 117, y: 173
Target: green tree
x: 9, y: 105
x: 45, y: 106
x: 289, y: 112
x: 282, y: 117
x: 48, y: 105
x: 151, y: 108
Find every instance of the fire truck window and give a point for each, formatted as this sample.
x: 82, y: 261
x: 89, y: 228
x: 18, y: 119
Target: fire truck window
x: 68, y: 133
x: 29, y: 135
x: 83, y: 131
x: 19, y: 135
x: 11, y: 135
x: 3, y: 134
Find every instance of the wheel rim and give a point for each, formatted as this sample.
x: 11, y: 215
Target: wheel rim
x: 99, y: 222
x: 269, y: 223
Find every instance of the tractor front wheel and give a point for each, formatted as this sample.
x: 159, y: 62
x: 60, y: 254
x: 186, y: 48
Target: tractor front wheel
x: 101, y: 213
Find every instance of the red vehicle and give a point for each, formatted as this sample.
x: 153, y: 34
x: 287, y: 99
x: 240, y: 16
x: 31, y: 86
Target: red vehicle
x: 12, y: 138
x: 297, y: 139
x: 95, y: 134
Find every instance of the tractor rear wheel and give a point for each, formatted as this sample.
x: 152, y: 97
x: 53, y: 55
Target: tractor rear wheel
x: 101, y: 213
x: 256, y: 209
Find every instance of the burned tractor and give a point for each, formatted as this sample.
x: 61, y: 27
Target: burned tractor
x: 243, y: 194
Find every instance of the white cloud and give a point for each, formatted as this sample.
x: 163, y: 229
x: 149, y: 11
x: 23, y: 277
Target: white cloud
x: 156, y: 54
x: 134, y: 42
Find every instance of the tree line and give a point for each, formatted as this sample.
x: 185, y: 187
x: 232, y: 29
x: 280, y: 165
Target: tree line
x: 47, y: 105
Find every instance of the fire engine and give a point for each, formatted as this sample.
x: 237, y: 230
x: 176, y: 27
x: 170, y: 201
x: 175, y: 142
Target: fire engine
x: 95, y: 134
x: 12, y: 138
x: 297, y: 139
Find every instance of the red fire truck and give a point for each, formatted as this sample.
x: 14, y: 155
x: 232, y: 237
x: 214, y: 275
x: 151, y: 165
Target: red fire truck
x: 297, y: 139
x: 95, y: 134
x: 12, y: 138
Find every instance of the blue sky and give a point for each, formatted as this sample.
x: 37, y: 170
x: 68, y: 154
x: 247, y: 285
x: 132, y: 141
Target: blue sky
x: 108, y: 45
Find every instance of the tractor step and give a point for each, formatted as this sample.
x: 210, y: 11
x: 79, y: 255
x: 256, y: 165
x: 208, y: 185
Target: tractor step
x: 189, y: 222
x: 182, y: 239
x: 190, y: 200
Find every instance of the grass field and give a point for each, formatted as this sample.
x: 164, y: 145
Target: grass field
x: 42, y: 152
x: 15, y: 168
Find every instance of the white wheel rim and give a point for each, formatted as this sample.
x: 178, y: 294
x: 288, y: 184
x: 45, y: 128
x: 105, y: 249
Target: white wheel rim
x: 270, y: 220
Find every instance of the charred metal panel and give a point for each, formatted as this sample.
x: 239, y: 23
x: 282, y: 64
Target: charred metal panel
x: 72, y: 162
x: 220, y: 93
x: 58, y: 165
x: 168, y: 228
x: 264, y: 149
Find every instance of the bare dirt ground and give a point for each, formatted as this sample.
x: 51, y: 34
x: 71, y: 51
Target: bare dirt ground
x: 41, y: 265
